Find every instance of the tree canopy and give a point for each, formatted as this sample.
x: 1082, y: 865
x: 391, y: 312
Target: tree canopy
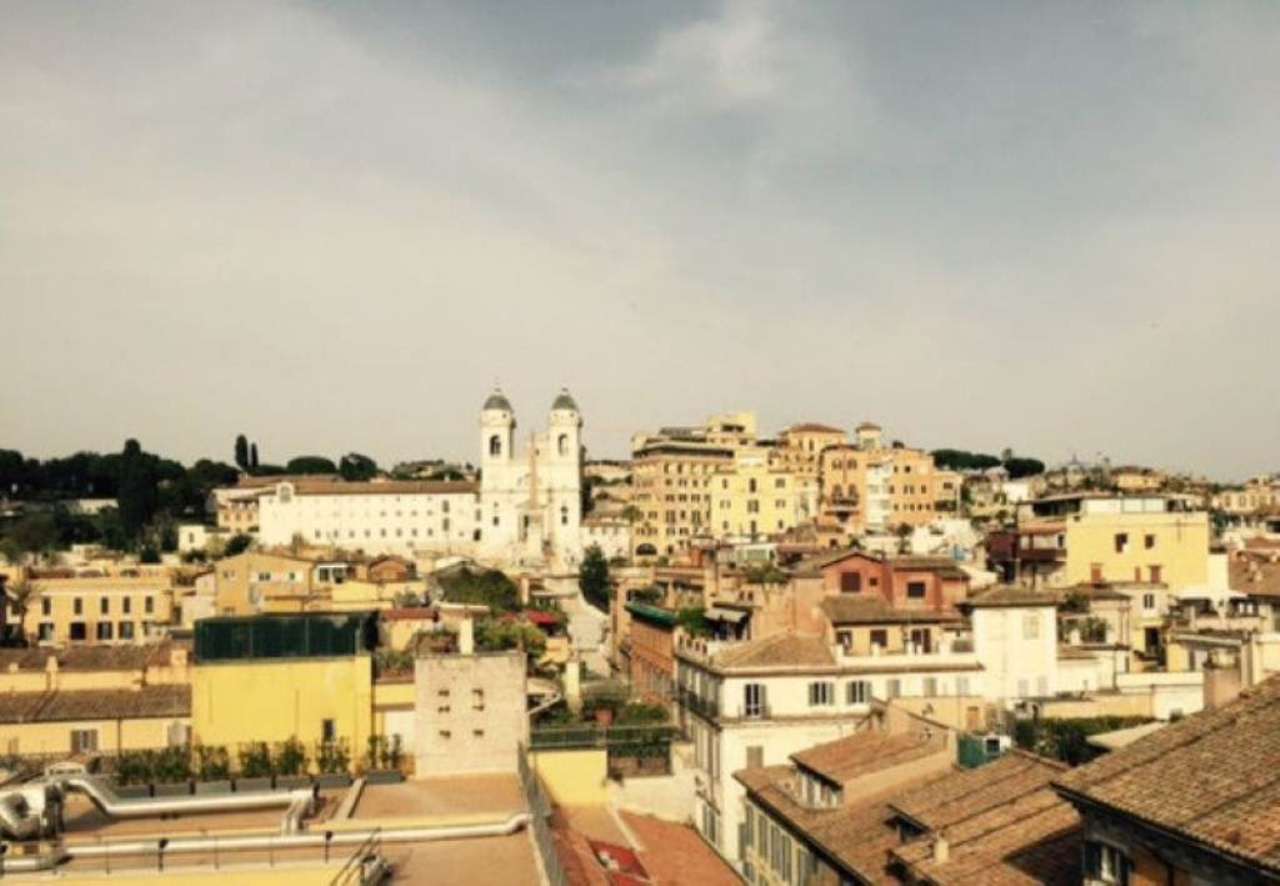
x: 310, y: 464
x: 356, y: 467
x: 593, y: 578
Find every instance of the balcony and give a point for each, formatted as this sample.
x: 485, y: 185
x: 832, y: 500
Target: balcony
x: 1042, y: 555
x: 703, y: 707
x: 957, y: 653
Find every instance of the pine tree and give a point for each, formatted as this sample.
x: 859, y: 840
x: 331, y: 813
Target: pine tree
x: 253, y: 457
x: 242, y: 452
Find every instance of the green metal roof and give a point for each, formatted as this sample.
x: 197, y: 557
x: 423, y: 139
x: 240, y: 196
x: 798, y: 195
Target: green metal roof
x: 654, y: 614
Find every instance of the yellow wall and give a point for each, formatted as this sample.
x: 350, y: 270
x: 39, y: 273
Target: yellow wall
x: 573, y: 778
x: 1180, y: 548
x: 772, y: 506
x: 55, y: 604
x: 113, y: 735
x: 274, y: 700
x: 308, y: 875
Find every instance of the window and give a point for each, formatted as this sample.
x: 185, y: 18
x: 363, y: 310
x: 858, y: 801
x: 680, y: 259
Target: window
x: 77, y: 606
x: 1031, y: 626
x: 822, y: 693
x: 84, y: 741
x: 46, y: 632
x: 477, y: 699
x: 1155, y: 574
x: 328, y: 731
x: 46, y: 606
x: 126, y: 605
x: 76, y: 631
x: 1104, y: 863
x: 495, y: 445
x: 126, y: 630
x: 857, y: 692
x: 1149, y: 541
x: 851, y: 582
x: 930, y: 687
x: 915, y: 590
x: 754, y: 700
x: 104, y: 630
x: 1148, y: 601
x: 1122, y: 542
x: 962, y: 686
x: 880, y: 637
x: 893, y: 688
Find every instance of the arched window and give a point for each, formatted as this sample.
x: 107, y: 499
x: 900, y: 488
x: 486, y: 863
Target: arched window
x: 563, y: 444
x: 564, y: 515
x: 837, y: 491
x: 495, y: 445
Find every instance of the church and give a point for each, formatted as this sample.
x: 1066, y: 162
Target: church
x: 526, y: 509
x: 532, y: 501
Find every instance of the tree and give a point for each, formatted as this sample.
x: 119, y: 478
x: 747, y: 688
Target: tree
x: 21, y: 596
x: 490, y: 587
x: 904, y: 532
x: 355, y: 467
x: 242, y: 452
x: 495, y: 635
x: 1023, y: 467
x: 253, y: 457
x: 310, y: 464
x: 593, y: 578
x: 137, y: 496
x: 237, y: 544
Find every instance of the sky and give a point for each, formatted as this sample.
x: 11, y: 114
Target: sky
x: 334, y: 227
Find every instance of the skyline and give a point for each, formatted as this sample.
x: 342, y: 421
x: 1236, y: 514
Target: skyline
x: 333, y: 229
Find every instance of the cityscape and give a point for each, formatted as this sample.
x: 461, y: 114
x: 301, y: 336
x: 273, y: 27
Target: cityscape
x: 668, y: 444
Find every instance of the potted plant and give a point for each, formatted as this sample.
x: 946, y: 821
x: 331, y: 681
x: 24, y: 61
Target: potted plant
x: 255, y: 767
x: 212, y: 769
x: 291, y: 764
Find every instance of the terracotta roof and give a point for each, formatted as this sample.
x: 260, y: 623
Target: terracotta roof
x: 1255, y: 571
x: 1006, y: 595
x: 1033, y: 838
x: 973, y: 791
x: 846, y: 609
x: 1095, y: 591
x: 96, y: 704
x: 87, y: 658
x: 1209, y: 779
x: 862, y: 753
x: 858, y: 836
x: 779, y: 650
x: 390, y: 487
x: 813, y: 428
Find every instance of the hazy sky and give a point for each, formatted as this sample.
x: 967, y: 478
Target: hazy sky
x: 1051, y: 226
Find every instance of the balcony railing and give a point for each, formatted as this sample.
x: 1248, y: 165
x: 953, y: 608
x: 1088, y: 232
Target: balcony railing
x: 705, y: 707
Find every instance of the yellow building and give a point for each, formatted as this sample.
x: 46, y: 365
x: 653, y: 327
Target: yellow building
x: 1073, y: 539
x: 753, y: 500
x: 717, y: 480
x: 870, y: 487
x: 125, y: 607
x: 265, y: 581
x: 800, y: 447
x: 271, y: 678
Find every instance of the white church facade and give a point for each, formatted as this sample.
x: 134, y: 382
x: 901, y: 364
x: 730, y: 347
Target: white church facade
x: 525, y: 510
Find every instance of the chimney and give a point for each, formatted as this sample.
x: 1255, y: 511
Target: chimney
x: 941, y: 850
x: 466, y: 637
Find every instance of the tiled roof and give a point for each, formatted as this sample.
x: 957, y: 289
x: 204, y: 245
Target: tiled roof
x: 96, y: 704
x: 1032, y: 838
x: 847, y: 609
x: 812, y: 427
x: 1006, y: 596
x: 86, y: 658
x: 1095, y: 591
x: 968, y: 793
x: 1209, y: 778
x: 390, y: 487
x: 862, y: 753
x: 1255, y: 571
x: 858, y: 836
x: 779, y: 650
